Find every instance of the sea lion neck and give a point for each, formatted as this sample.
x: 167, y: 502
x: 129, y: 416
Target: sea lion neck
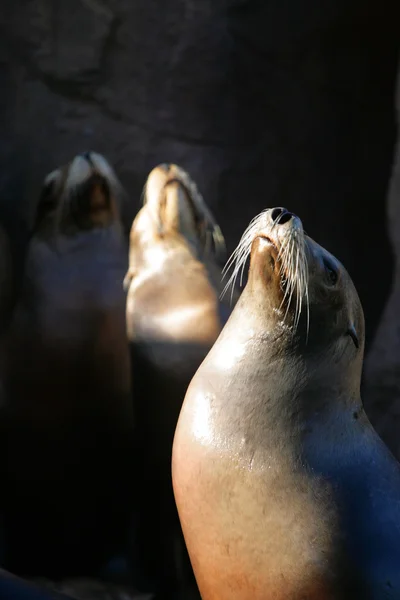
x: 256, y: 371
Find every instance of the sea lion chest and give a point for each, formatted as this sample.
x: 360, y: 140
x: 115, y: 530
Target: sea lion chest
x: 270, y: 500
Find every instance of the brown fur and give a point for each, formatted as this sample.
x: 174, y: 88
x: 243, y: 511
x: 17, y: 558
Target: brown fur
x: 260, y: 422
x: 173, y: 318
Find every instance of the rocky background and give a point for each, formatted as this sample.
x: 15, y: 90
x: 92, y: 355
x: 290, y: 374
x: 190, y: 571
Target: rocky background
x: 264, y: 102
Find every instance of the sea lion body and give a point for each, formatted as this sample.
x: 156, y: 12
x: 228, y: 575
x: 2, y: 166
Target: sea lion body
x: 173, y: 317
x: 67, y: 380
x: 283, y: 488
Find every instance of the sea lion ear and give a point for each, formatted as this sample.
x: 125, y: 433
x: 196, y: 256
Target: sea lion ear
x: 353, y: 334
x: 128, y: 278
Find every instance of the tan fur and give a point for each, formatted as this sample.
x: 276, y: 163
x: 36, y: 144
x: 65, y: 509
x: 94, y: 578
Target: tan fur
x: 173, y: 317
x: 258, y: 522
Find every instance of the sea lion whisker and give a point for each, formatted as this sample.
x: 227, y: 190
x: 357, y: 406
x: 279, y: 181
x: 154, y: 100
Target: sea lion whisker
x: 300, y: 286
x: 287, y: 266
x: 233, y: 257
x: 239, y: 265
x: 294, y: 267
x: 237, y: 260
x: 308, y: 312
x: 299, y: 291
x: 286, y: 262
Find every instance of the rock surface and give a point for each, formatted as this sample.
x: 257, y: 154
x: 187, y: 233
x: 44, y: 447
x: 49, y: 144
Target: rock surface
x: 382, y: 367
x: 264, y: 103
x: 89, y: 589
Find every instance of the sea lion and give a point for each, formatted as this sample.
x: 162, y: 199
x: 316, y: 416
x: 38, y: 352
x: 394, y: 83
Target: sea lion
x: 173, y: 317
x: 68, y: 414
x: 283, y: 488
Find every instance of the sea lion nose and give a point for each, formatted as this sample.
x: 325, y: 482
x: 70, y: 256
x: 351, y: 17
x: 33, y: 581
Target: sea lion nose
x: 87, y: 156
x: 165, y: 167
x: 281, y: 215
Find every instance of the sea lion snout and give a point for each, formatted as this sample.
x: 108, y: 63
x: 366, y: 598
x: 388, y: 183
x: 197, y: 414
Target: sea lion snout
x: 86, y: 165
x: 90, y: 189
x: 281, y: 215
x: 86, y: 155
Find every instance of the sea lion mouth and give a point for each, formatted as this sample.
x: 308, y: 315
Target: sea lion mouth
x: 271, y: 242
x: 270, y: 245
x: 278, y: 265
x: 190, y: 216
x: 88, y: 191
x: 87, y: 172
x: 286, y: 244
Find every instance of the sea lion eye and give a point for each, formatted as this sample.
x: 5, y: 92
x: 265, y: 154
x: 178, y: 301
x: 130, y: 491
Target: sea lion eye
x: 331, y: 273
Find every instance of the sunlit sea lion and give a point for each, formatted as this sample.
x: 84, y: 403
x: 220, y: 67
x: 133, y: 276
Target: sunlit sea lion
x: 284, y: 489
x: 173, y: 317
x: 67, y: 382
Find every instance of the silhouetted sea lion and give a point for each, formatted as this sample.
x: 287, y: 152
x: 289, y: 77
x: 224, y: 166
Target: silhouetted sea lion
x: 283, y: 488
x: 68, y: 412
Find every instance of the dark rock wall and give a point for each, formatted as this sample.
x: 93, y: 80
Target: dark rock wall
x: 382, y: 368
x: 265, y: 102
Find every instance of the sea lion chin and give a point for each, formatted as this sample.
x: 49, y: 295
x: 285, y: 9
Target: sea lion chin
x: 283, y: 488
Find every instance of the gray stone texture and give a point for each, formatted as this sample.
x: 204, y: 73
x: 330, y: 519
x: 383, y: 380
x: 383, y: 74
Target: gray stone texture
x: 382, y: 366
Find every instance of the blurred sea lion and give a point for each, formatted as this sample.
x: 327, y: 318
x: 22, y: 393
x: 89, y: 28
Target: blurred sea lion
x: 173, y: 317
x: 67, y: 381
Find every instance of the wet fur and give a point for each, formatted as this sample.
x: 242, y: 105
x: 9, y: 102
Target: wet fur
x: 283, y: 488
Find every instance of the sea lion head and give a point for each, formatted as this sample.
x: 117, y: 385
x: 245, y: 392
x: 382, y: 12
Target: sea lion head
x: 297, y: 292
x: 174, y: 216
x: 81, y: 195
